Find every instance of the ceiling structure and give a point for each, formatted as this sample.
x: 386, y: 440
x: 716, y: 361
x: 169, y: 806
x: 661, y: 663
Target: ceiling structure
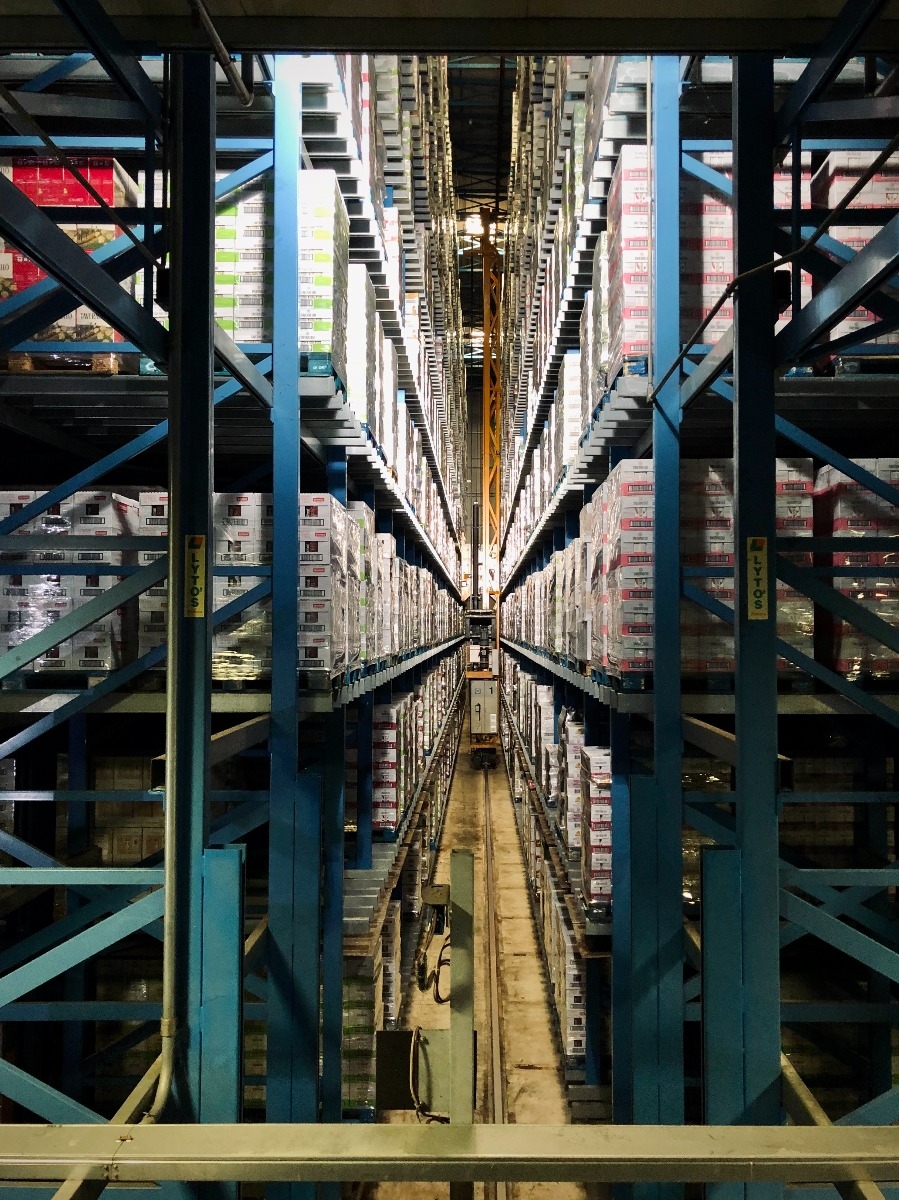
x: 480, y: 92
x: 544, y: 26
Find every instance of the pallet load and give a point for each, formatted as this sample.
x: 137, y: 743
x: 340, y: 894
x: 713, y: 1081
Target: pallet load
x: 48, y: 184
x: 596, y: 825
x: 604, y: 581
x: 391, y: 953
x: 324, y: 263
x: 630, y: 541
x: 33, y: 602
x: 363, y: 1016
x: 244, y: 260
x: 627, y: 240
x: 571, y: 741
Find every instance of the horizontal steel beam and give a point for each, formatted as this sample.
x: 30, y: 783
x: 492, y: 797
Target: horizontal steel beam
x: 87, y: 108
x: 403, y: 1153
x: 110, y: 462
x: 80, y: 876
x: 870, y: 108
x: 447, y: 26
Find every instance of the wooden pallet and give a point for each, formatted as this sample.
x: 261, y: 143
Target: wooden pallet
x: 22, y: 363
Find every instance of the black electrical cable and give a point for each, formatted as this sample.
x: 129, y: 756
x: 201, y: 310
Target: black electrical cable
x: 435, y: 975
x: 421, y: 1110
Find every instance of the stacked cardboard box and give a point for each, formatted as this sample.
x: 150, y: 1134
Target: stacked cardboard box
x: 363, y: 1016
x: 565, y: 970
x: 628, y: 241
x: 596, y: 825
x: 125, y: 832
x: 825, y: 834
x: 399, y: 749
x: 49, y: 184
x: 244, y: 261
x: 364, y: 335
x: 33, y: 602
x: 324, y: 269
x: 544, y: 738
x: 391, y: 953
x: 363, y: 518
x: 324, y: 582
x: 389, y: 744
x: 595, y: 601
x: 580, y: 644
x: 843, y: 508
x: 629, y: 568
x: 571, y: 742
x: 707, y: 244
x: 412, y: 877
x: 568, y: 413
x: 707, y: 539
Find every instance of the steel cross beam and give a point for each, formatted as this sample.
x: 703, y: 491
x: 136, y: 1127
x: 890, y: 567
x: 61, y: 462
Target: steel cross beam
x: 73, y: 622
x: 824, y: 66
x: 25, y: 314
x: 24, y: 224
x: 863, y: 274
x: 824, y: 259
x: 112, y: 51
x: 29, y: 228
x: 61, y: 69
x: 401, y: 1153
x: 40, y: 305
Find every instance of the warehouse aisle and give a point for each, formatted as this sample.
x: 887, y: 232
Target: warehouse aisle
x: 534, y: 1090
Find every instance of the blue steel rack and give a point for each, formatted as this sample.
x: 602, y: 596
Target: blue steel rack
x: 755, y: 902
x: 204, y: 911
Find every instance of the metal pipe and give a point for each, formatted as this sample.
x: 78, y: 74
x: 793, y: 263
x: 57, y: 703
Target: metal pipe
x: 222, y: 56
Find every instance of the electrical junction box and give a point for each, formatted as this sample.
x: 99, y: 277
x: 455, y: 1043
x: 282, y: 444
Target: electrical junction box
x: 483, y: 707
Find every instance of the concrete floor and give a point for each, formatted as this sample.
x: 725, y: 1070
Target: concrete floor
x: 533, y: 1080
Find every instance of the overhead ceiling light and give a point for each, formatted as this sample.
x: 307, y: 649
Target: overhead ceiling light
x: 474, y: 226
